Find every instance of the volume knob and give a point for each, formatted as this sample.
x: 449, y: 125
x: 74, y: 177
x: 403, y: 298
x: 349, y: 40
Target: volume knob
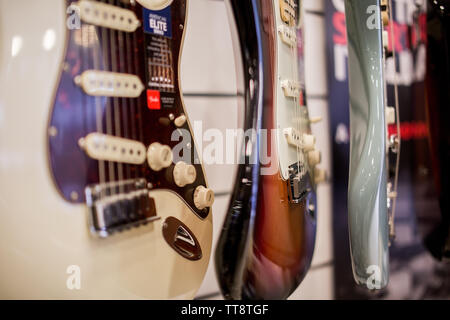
x: 320, y: 175
x: 314, y: 157
x: 203, y: 197
x: 159, y: 156
x: 180, y: 121
x: 390, y: 115
x: 309, y: 142
x: 184, y: 174
x: 154, y: 4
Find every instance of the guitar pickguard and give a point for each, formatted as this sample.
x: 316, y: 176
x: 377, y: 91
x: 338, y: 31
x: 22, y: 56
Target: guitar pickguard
x: 102, y: 125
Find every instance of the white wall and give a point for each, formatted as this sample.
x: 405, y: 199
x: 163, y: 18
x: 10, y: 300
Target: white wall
x: 209, y: 85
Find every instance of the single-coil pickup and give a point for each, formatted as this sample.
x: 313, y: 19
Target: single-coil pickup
x: 108, y: 16
x: 110, y: 84
x: 303, y: 141
x: 109, y: 148
x: 288, y: 35
x: 288, y: 11
x: 291, y: 88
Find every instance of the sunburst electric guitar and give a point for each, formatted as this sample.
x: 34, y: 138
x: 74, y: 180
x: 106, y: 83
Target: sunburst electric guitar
x: 267, y: 241
x: 95, y: 201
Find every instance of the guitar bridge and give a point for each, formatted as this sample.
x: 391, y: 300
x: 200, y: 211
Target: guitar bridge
x: 119, y: 206
x: 298, y: 184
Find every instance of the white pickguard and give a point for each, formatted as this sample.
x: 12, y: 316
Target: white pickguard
x: 41, y: 235
x: 288, y: 113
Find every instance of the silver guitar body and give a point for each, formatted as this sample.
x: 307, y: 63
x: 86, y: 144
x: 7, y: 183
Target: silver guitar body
x: 367, y: 193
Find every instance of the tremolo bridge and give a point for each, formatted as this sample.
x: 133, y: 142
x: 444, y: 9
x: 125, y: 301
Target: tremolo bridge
x: 117, y: 206
x: 298, y: 183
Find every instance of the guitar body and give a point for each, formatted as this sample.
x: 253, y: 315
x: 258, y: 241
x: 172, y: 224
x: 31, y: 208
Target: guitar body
x: 367, y: 193
x: 267, y: 242
x: 437, y: 92
x: 52, y: 245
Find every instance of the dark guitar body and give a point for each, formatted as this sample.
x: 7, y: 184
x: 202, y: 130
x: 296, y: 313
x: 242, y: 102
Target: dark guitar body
x: 438, y: 101
x: 267, y: 242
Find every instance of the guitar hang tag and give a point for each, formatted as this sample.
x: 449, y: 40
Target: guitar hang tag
x: 158, y: 22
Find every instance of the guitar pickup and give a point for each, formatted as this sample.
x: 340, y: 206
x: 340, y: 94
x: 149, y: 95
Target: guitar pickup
x: 104, y: 147
x: 291, y: 88
x: 288, y: 35
x: 106, y: 15
x: 110, y: 84
x: 287, y: 8
x: 304, y: 141
x: 119, y: 206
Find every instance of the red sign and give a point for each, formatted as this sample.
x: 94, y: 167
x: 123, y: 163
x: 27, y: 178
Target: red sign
x: 153, y: 100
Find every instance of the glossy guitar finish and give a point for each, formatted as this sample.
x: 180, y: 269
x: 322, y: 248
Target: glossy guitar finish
x: 367, y: 193
x: 267, y: 241
x: 156, y: 248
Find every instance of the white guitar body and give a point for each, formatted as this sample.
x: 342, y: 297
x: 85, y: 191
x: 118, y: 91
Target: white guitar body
x: 47, y: 250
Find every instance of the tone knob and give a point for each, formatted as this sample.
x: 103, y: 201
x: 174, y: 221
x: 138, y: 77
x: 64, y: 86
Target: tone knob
x: 390, y: 115
x: 384, y: 12
x: 314, y: 157
x: 184, y: 174
x: 385, y: 18
x: 180, y: 121
x: 309, y: 142
x: 315, y: 120
x: 159, y: 156
x: 385, y: 39
x: 203, y: 197
x: 320, y: 175
x: 154, y: 4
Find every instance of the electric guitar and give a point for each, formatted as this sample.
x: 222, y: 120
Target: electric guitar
x: 267, y: 241
x: 96, y: 200
x: 372, y: 188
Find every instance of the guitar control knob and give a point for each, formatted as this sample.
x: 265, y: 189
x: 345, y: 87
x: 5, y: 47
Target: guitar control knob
x: 315, y: 120
x: 180, y: 121
x: 184, y: 174
x: 314, y: 157
x: 385, y: 39
x: 390, y: 115
x: 309, y: 142
x: 159, y: 156
x: 203, y: 197
x: 154, y: 4
x: 384, y: 12
x: 320, y: 175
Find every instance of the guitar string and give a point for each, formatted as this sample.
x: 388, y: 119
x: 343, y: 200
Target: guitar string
x: 108, y: 117
x: 84, y: 60
x: 293, y: 28
x: 298, y: 102
x: 113, y: 37
x: 397, y: 111
x: 137, y: 63
x: 124, y: 108
x: 129, y: 67
x: 98, y: 105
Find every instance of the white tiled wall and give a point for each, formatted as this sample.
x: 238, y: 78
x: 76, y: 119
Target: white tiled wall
x: 209, y: 84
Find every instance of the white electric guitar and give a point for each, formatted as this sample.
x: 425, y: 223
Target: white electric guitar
x: 94, y: 202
